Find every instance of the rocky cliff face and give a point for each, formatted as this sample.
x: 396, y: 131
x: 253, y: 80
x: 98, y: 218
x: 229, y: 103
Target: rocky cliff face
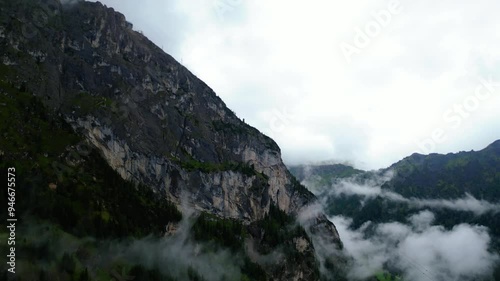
x: 154, y: 121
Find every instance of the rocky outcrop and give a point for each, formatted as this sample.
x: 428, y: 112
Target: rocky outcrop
x: 222, y: 191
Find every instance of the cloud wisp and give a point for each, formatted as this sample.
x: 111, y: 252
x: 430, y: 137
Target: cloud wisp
x: 468, y: 204
x: 371, y: 188
x: 172, y: 255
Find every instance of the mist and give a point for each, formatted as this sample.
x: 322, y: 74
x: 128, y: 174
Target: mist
x: 172, y: 255
x: 175, y: 254
x: 417, y: 249
x: 371, y: 188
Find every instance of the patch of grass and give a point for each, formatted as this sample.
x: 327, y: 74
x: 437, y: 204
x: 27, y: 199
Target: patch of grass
x: 386, y: 276
x: 87, y: 103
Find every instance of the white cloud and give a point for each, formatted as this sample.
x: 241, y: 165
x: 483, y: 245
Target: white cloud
x: 467, y: 203
x: 458, y: 254
x: 420, y: 250
x: 369, y: 257
x: 422, y: 220
x: 371, y: 188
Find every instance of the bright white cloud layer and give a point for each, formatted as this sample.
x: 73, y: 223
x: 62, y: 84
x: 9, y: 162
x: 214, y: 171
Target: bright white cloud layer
x: 412, y: 78
x: 461, y: 253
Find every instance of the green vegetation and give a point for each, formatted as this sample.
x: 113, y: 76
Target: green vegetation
x: 205, y: 167
x: 275, y: 227
x: 449, y: 176
x: 65, y: 184
x: 229, y: 233
x: 324, y: 175
x: 233, y: 128
x: 86, y: 103
x: 300, y: 188
x: 76, y: 189
x: 48, y: 253
x: 386, y: 276
x: 279, y: 231
x: 69, y: 182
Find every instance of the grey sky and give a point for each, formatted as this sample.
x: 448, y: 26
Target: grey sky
x: 364, y: 82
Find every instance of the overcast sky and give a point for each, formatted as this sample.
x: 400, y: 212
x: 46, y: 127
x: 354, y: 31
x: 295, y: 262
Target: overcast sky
x: 363, y: 81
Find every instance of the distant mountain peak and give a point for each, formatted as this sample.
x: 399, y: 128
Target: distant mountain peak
x: 495, y: 145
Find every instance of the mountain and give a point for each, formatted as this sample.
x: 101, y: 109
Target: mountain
x: 332, y: 171
x: 320, y: 175
x: 449, y: 176
x: 110, y: 136
x: 453, y: 190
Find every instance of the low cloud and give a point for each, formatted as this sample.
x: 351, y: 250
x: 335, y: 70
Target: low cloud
x: 368, y: 189
x: 468, y: 203
x: 172, y: 255
x: 422, y: 220
x: 418, y: 250
x: 326, y: 247
x: 371, y: 188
